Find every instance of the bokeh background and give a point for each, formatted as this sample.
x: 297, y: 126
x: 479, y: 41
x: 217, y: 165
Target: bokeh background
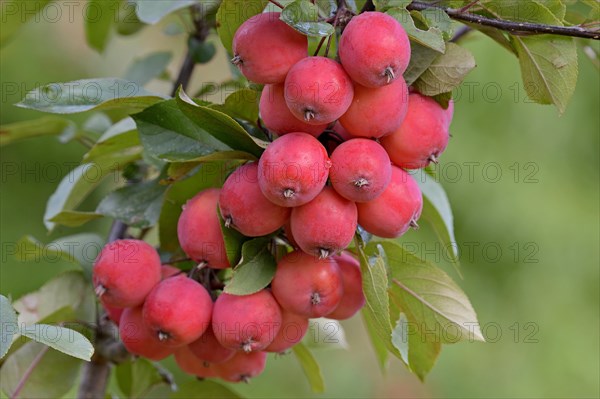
x: 523, y: 182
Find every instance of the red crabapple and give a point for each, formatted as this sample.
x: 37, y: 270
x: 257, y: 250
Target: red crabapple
x: 325, y: 225
x: 178, y: 310
x: 317, y: 90
x: 293, y: 328
x: 265, y: 48
x: 242, y: 367
x: 383, y: 57
x: 393, y: 212
x: 114, y: 314
x: 248, y: 323
x: 423, y: 135
x: 208, y: 348
x: 125, y: 272
x: 168, y: 271
x: 190, y: 364
x: 306, y: 285
x: 199, y: 230
x: 376, y: 112
x: 354, y: 298
x: 138, y: 338
x: 360, y: 170
x: 278, y: 118
x: 293, y: 169
x: 244, y: 207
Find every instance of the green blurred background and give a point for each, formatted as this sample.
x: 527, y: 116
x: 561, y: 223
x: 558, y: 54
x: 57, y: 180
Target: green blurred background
x: 524, y: 186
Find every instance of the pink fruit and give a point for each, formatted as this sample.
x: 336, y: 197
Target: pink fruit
x: 178, y: 310
x: 423, y: 135
x: 208, y: 348
x: 114, y: 314
x: 293, y: 169
x: 318, y: 91
x: 393, y: 212
x: 125, y: 272
x: 199, y: 230
x: 168, y: 271
x: 248, y: 323
x: 138, y: 338
x: 278, y: 118
x: 293, y: 328
x: 244, y: 207
x: 190, y: 364
x: 354, y: 298
x: 325, y: 225
x: 360, y: 170
x: 242, y: 367
x: 383, y: 57
x: 306, y: 285
x: 376, y: 112
x: 265, y: 48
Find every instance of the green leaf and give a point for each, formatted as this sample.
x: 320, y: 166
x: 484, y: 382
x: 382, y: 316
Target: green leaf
x: 242, y: 104
x: 74, y: 218
x: 256, y: 268
x: 310, y: 367
x: 436, y: 18
x: 206, y: 389
x: 220, y: 125
x: 52, y: 377
x: 74, y: 188
x: 432, y: 38
x: 446, y: 72
x: 421, y: 58
x: 144, y: 69
x: 16, y: 13
x: 438, y: 213
x: 209, y: 175
x: 136, y: 377
x: 168, y: 134
x: 325, y: 333
x: 151, y: 12
x: 99, y: 16
x: 381, y: 351
x: 202, y: 51
x: 179, y: 169
x: 234, y: 241
x: 384, y: 5
x: 8, y: 325
x: 65, y: 340
x: 69, y: 289
x: 119, y: 145
x: 429, y: 297
x: 46, y: 126
x: 88, y: 94
x: 137, y: 205
x: 548, y: 67
x: 128, y: 22
x: 303, y: 16
x: 233, y: 13
x: 521, y: 11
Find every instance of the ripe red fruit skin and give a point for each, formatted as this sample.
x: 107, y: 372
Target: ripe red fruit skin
x: 423, y: 135
x: 178, y: 310
x: 208, y: 349
x: 293, y: 169
x: 265, y: 48
x: 278, y: 118
x: 367, y: 61
x: 199, y: 230
x: 360, y: 170
x: 325, y: 225
x: 306, y: 285
x: 242, y: 367
x: 353, y: 299
x: 391, y: 214
x: 138, y: 338
x: 190, y: 364
x: 376, y: 112
x: 243, y: 204
x: 317, y: 90
x: 125, y: 272
x: 293, y: 328
x: 113, y: 313
x: 168, y: 271
x: 248, y: 323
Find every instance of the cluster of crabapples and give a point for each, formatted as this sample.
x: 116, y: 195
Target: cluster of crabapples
x: 311, y: 194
